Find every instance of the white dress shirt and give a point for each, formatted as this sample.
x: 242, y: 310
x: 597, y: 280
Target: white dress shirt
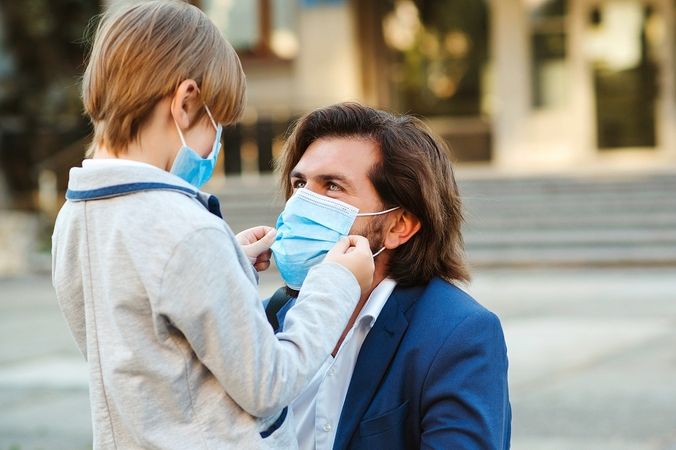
x: 317, y: 409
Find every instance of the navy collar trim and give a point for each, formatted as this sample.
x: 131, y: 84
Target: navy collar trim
x: 123, y: 189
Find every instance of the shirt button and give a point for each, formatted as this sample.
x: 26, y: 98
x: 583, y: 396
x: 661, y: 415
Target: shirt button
x: 331, y: 372
x: 326, y: 427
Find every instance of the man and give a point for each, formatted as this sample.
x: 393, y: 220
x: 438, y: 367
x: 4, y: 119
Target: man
x: 421, y: 364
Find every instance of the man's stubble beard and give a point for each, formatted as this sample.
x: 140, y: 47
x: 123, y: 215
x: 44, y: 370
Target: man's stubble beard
x: 373, y: 231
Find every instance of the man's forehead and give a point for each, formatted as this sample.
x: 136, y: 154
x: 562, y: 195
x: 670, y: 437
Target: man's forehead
x: 342, y: 156
x: 346, y: 162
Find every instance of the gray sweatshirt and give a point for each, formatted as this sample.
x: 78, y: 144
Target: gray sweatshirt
x: 163, y: 304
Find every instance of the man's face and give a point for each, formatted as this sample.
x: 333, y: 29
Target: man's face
x: 338, y: 168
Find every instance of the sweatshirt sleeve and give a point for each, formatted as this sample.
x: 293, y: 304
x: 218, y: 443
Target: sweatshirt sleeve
x: 206, y: 294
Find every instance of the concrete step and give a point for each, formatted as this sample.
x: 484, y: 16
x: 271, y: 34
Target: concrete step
x: 573, y: 256
x: 556, y: 238
x: 573, y: 221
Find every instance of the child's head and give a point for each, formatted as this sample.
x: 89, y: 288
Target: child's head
x: 141, y: 54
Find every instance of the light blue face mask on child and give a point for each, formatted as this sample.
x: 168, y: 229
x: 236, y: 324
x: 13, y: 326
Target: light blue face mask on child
x: 307, y: 229
x: 192, y: 167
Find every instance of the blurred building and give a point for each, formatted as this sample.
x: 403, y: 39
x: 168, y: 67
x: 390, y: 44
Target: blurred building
x: 517, y: 83
x: 513, y: 84
x: 509, y: 83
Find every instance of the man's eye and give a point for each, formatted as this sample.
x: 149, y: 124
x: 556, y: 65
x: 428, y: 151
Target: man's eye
x: 333, y: 187
x: 299, y: 184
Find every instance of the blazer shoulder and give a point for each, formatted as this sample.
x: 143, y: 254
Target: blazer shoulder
x: 442, y: 304
x: 448, y: 297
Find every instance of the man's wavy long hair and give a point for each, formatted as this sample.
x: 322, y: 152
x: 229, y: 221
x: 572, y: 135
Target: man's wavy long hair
x: 414, y: 173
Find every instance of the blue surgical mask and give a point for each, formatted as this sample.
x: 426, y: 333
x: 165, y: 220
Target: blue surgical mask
x: 192, y: 167
x: 307, y: 229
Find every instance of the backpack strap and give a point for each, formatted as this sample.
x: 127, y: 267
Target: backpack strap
x: 277, y: 302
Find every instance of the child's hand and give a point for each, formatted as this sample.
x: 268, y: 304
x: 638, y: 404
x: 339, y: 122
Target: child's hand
x: 354, y: 253
x: 256, y: 244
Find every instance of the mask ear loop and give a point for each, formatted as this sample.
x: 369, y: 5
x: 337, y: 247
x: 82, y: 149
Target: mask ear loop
x: 180, y: 133
x: 211, y: 117
x: 213, y: 122
x: 379, y: 212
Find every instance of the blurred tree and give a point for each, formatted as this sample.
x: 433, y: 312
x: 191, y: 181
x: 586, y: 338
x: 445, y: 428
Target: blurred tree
x: 40, y: 110
x: 44, y: 39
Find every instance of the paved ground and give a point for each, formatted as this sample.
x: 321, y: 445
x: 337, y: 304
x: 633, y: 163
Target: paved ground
x: 592, y: 351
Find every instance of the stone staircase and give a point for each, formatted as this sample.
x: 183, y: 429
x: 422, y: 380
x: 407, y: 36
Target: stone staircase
x: 571, y: 220
x: 554, y: 220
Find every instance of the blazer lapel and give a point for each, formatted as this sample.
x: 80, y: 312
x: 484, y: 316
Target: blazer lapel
x: 373, y: 360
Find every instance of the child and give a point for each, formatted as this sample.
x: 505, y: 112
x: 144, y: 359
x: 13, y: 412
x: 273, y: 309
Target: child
x: 159, y: 296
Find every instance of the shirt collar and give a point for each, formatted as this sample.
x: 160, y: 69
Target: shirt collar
x: 376, y: 301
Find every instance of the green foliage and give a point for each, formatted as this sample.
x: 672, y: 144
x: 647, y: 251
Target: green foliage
x: 43, y: 38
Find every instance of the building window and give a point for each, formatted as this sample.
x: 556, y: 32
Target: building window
x: 623, y: 39
x: 440, y: 50
x: 257, y: 28
x: 548, y: 45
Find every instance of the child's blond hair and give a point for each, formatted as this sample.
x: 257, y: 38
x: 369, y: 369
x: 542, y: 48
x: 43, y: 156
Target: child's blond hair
x: 141, y: 54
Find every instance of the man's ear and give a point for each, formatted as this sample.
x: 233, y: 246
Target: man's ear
x: 401, y: 228
x: 184, y: 102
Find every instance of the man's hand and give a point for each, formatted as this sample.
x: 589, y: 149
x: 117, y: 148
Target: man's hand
x: 256, y: 244
x: 354, y: 253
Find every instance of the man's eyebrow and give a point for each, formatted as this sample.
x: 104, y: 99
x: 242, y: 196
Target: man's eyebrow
x: 341, y: 179
x: 327, y: 177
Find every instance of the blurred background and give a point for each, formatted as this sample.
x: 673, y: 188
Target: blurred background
x: 560, y: 116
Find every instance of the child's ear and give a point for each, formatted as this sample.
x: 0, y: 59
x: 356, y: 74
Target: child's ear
x: 401, y: 228
x: 184, y: 102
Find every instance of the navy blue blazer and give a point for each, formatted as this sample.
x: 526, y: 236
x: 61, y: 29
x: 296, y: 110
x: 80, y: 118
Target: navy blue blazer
x: 431, y: 373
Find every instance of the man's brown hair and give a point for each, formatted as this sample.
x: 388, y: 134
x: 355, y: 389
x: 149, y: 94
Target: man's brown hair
x: 413, y: 172
x: 140, y: 55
